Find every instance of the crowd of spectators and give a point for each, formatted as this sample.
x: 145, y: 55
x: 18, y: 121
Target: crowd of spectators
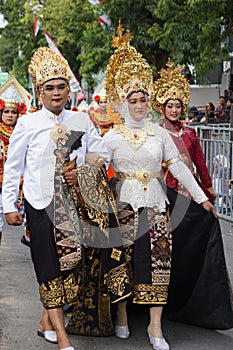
x: 213, y: 114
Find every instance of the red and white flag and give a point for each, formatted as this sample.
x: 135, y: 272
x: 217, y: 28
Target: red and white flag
x: 51, y: 43
x: 36, y: 27
x: 74, y: 84
x: 104, y: 19
x: 80, y: 95
x: 95, y: 2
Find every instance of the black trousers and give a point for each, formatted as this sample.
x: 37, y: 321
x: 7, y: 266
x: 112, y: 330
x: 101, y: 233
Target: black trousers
x: 43, y: 246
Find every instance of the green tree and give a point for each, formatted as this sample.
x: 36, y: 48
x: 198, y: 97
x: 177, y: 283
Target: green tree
x: 194, y: 32
x: 190, y: 32
x: 70, y: 24
x: 16, y: 42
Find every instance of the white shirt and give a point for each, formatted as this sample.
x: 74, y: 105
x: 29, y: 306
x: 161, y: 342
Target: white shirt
x: 30, y: 154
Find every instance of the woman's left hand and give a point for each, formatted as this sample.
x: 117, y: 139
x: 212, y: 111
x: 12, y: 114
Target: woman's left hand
x: 210, y: 208
x: 211, y: 191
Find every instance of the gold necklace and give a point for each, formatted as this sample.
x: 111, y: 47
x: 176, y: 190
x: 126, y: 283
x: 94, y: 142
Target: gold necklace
x: 135, y: 138
x: 176, y: 134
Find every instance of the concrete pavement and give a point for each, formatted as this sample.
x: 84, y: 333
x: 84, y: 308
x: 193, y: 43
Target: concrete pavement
x: 20, y: 309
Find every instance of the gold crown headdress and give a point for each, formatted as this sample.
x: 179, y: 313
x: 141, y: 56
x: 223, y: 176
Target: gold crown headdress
x: 13, y: 94
x: 46, y: 64
x: 127, y: 71
x: 171, y: 85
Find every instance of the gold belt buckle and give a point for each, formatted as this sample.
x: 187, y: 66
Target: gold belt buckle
x: 143, y: 176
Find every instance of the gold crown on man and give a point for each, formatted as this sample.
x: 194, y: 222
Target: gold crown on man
x: 127, y: 71
x: 46, y: 64
x: 171, y: 85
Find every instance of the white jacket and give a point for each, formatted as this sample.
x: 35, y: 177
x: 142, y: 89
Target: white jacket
x: 31, y: 154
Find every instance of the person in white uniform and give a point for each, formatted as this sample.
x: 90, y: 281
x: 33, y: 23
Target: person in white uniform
x: 40, y: 146
x: 137, y: 149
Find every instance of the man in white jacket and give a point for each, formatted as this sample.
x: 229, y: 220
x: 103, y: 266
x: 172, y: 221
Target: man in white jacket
x: 35, y: 146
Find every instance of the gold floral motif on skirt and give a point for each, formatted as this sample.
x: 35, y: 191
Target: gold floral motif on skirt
x: 60, y: 290
x: 116, y: 279
x: 150, y: 294
x: 92, y: 314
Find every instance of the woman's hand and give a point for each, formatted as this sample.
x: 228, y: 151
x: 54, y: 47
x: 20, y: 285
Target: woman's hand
x: 210, y: 208
x: 95, y: 159
x: 211, y: 191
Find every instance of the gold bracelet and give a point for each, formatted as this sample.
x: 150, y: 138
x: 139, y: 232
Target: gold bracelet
x: 172, y: 161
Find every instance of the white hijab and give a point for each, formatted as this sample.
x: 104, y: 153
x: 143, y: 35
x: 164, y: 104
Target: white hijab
x: 130, y: 123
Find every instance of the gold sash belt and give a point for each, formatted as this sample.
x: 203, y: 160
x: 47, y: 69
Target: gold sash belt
x: 143, y: 176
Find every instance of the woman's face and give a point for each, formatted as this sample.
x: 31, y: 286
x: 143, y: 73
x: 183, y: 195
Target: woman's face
x: 228, y: 103
x: 103, y: 104
x: 138, y: 105
x: 9, y: 116
x: 173, y: 110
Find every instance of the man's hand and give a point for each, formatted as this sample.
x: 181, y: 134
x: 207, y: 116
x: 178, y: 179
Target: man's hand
x: 14, y: 218
x: 71, y: 177
x: 210, y: 208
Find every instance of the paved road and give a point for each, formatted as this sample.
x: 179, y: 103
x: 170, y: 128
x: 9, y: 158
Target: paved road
x: 20, y: 309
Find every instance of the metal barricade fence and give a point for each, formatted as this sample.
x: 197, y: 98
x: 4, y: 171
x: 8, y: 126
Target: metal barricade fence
x: 217, y: 144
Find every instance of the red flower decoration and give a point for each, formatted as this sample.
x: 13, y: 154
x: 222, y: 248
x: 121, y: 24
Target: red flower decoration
x: 97, y: 98
x: 22, y: 108
x: 2, y: 104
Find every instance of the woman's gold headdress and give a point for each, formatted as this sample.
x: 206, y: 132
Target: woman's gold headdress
x: 46, y: 64
x: 127, y: 71
x: 170, y: 85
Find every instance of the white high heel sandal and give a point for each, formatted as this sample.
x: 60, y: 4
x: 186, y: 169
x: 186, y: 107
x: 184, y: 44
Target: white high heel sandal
x: 122, y: 332
x: 158, y: 343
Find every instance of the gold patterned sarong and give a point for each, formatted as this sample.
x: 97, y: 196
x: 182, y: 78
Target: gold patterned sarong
x: 67, y: 233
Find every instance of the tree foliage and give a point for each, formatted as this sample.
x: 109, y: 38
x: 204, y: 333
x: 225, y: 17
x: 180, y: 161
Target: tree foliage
x: 191, y: 32
x: 194, y: 31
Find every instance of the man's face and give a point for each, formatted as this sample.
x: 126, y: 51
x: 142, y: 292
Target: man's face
x: 54, y: 94
x: 222, y: 101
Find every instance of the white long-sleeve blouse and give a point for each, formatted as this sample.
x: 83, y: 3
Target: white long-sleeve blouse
x: 142, y: 151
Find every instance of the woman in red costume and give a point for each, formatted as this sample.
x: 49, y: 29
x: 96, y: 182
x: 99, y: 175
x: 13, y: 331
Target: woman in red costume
x: 171, y: 104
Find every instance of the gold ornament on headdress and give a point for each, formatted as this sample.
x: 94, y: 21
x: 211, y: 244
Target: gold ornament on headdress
x: 170, y: 86
x: 127, y: 71
x: 13, y: 94
x: 46, y: 64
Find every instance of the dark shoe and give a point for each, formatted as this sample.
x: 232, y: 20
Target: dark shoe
x: 50, y: 336
x: 25, y: 242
